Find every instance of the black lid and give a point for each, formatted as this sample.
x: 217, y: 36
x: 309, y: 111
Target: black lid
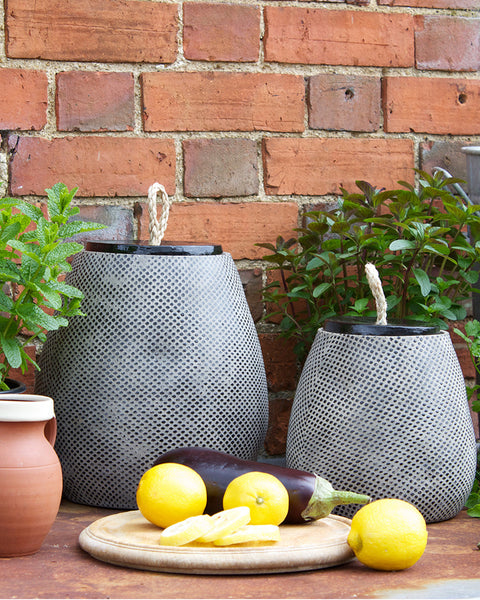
x: 144, y: 247
x: 368, y: 326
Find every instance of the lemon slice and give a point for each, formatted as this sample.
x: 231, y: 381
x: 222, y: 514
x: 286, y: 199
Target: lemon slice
x: 186, y: 531
x: 226, y: 522
x: 250, y: 533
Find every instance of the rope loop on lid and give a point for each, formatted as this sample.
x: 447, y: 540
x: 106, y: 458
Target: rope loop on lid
x: 377, y: 291
x: 157, y: 226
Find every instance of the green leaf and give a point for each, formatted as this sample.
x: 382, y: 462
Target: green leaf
x: 75, y: 227
x: 474, y: 512
x: 340, y: 228
x: 448, y: 314
x: 472, y: 328
x: 319, y: 290
x: 298, y: 288
x: 44, y: 233
x: 472, y: 500
x: 66, y: 290
x: 437, y: 249
x: 6, y: 303
x: 59, y: 200
x: 52, y: 297
x: 392, y: 301
x: 10, y: 232
x: 61, y: 252
x: 315, y: 263
x: 11, y: 350
x: 470, y: 276
x: 459, y: 311
x: 9, y: 271
x: 30, y: 268
x: 402, y: 245
x: 31, y: 211
x: 34, y: 316
x: 360, y: 304
x: 32, y: 250
x: 423, y: 281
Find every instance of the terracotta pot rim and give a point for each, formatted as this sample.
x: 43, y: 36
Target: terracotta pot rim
x: 25, y: 407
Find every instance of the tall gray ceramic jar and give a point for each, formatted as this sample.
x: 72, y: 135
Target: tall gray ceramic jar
x: 166, y: 356
x: 382, y: 410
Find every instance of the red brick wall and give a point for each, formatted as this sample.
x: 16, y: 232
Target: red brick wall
x: 246, y: 111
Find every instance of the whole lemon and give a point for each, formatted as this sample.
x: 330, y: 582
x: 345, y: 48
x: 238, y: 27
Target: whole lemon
x: 169, y: 493
x: 263, y: 493
x: 388, y: 534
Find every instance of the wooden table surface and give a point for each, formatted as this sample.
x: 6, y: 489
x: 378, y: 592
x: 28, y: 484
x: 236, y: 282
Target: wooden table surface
x: 450, y: 568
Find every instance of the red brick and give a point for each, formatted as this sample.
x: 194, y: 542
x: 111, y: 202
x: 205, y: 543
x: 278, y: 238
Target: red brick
x: 98, y: 166
x: 106, y: 31
x: 465, y: 361
x: 448, y: 4
x: 447, y: 43
x: 280, y: 362
x: 319, y: 166
x: 222, y: 32
x: 88, y: 101
x: 252, y: 285
x: 461, y: 349
x: 344, y: 102
x: 236, y: 226
x: 431, y: 105
x: 278, y: 419
x: 222, y: 167
x: 23, y: 99
x: 213, y: 101
x: 338, y: 37
x: 476, y: 424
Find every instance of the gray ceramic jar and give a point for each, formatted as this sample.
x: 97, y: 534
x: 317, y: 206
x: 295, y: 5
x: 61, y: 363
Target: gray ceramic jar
x: 166, y: 356
x: 382, y: 410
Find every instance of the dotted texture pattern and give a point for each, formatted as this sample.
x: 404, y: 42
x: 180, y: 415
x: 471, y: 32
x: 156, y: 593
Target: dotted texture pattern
x: 166, y: 356
x: 388, y: 417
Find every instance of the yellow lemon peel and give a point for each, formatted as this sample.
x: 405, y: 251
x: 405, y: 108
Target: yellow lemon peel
x: 263, y: 493
x: 169, y: 493
x: 388, y: 534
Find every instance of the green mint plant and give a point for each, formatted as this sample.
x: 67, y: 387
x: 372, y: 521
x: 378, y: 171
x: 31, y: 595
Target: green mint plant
x: 418, y: 239
x: 472, y: 339
x: 473, y: 500
x: 34, y: 253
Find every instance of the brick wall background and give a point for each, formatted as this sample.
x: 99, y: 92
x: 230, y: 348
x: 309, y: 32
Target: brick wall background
x: 247, y: 111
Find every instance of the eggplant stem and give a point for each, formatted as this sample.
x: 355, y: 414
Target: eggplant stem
x: 344, y: 497
x: 325, y: 498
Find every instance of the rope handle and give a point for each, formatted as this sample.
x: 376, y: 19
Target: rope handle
x: 157, y: 226
x: 376, y: 286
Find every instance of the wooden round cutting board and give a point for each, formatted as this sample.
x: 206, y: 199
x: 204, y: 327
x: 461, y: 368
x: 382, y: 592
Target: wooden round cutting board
x: 129, y: 540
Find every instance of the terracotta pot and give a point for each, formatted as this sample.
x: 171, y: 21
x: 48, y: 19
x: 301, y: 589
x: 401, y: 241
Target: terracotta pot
x: 30, y: 473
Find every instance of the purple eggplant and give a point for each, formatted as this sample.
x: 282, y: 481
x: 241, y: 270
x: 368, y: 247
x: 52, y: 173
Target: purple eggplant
x: 310, y: 497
